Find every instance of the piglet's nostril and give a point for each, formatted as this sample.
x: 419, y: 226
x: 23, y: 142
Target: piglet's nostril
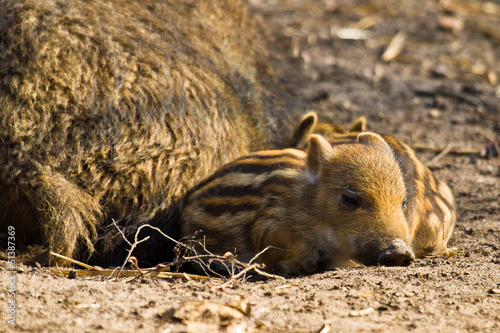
x: 398, y: 254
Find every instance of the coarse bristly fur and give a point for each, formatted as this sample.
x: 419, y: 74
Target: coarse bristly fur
x: 330, y: 206
x: 431, y: 206
x: 111, y: 110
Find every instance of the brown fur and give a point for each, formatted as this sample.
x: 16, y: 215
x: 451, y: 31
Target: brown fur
x: 431, y: 208
x: 328, y: 207
x: 113, y: 109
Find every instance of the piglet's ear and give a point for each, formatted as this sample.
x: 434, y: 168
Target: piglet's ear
x: 305, y: 128
x: 318, y: 152
x: 374, y: 140
x: 359, y: 125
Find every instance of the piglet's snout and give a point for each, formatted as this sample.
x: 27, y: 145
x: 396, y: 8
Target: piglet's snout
x: 398, y: 254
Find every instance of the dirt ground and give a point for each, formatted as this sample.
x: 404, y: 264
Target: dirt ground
x: 441, y: 89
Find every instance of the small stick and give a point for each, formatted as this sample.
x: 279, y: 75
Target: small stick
x: 121, y: 232
x: 58, y: 269
x: 199, y: 258
x: 268, y: 275
x: 136, y: 242
x: 267, y: 248
x: 73, y: 261
x: 133, y: 273
x: 234, y: 277
x: 452, y: 151
x: 356, y: 264
x: 158, y: 268
x: 440, y: 155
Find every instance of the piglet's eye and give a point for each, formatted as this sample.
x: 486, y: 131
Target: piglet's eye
x: 404, y: 205
x: 351, y: 200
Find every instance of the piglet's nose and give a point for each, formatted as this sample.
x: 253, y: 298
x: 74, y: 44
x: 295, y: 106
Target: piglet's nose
x: 398, y: 254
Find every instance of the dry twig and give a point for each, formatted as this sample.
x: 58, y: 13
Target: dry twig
x: 442, y: 154
x: 187, y: 251
x: 131, y: 273
x: 76, y: 262
x: 191, y: 250
x: 453, y: 150
x: 234, y: 277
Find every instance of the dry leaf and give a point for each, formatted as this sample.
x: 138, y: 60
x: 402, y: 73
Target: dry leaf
x: 395, y: 47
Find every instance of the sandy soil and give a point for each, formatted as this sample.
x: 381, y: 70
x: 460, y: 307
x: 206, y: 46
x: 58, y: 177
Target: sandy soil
x: 442, y: 89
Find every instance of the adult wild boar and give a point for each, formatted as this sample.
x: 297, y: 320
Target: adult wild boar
x: 111, y: 110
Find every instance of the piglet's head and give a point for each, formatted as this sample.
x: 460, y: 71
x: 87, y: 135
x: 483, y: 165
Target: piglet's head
x: 360, y: 199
